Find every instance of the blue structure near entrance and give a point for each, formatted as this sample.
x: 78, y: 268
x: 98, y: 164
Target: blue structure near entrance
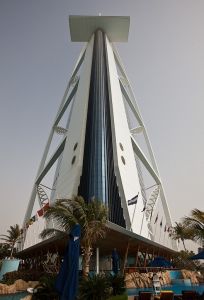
x: 9, y: 265
x: 175, y: 274
x: 67, y: 280
x: 177, y: 280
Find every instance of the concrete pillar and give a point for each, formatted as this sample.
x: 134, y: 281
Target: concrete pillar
x: 97, y: 260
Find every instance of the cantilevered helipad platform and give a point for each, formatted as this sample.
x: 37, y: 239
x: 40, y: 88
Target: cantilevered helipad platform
x: 82, y: 27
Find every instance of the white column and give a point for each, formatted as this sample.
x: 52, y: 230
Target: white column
x: 97, y: 260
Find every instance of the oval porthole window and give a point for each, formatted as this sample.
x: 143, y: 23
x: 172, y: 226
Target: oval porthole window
x: 123, y: 160
x: 73, y: 160
x: 121, y: 146
x: 75, y: 146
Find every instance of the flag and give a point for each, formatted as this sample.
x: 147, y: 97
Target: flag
x: 45, y: 207
x: 156, y: 219
x: 40, y: 212
x: 144, y: 209
x: 160, y: 223
x: 133, y: 200
x: 33, y: 218
x: 169, y: 229
x: 30, y: 222
x: 43, y: 210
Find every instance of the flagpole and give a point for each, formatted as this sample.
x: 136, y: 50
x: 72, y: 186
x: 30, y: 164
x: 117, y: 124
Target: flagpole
x: 160, y: 229
x: 160, y: 234
x: 164, y: 236
x: 142, y: 219
x: 130, y: 202
x: 155, y: 222
x: 133, y: 215
x: 155, y: 230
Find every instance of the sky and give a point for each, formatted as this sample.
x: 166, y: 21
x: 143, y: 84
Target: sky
x: 164, y: 60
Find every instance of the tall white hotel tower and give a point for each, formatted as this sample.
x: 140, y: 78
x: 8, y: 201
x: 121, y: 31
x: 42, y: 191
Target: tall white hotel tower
x: 104, y: 149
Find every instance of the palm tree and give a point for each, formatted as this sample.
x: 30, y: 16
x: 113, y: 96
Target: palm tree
x: 4, y: 250
x: 180, y: 232
x: 92, y: 217
x: 12, y: 237
x: 196, y: 223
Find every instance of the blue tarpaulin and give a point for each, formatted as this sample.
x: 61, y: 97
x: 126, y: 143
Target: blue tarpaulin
x: 160, y: 261
x: 67, y: 279
x: 115, y: 261
x: 200, y: 255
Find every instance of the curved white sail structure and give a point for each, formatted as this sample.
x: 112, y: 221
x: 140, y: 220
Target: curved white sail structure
x: 104, y: 150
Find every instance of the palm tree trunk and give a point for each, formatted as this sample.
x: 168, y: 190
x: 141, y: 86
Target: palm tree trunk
x: 86, y: 261
x: 12, y: 248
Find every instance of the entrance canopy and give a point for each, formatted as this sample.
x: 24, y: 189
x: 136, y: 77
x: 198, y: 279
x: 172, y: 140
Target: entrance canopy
x: 116, y: 237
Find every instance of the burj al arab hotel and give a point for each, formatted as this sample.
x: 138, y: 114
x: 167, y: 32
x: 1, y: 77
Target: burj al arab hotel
x: 102, y: 148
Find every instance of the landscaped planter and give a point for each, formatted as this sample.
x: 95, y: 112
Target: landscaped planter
x: 18, y: 287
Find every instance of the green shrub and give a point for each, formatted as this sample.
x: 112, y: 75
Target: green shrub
x: 96, y: 287
x: 47, y: 281
x: 118, y: 284
x: 26, y: 275
x: 46, y: 288
x: 4, y: 250
x: 45, y: 294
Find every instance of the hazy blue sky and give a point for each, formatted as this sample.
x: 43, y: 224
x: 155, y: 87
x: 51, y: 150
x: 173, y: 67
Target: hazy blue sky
x: 164, y: 60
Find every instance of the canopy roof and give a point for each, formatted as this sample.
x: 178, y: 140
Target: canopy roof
x: 82, y: 27
x: 116, y: 237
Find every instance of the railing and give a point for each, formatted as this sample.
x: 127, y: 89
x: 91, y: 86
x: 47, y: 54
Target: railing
x: 146, y: 269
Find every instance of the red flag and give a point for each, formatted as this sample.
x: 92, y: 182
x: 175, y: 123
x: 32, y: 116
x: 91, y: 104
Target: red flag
x: 43, y: 210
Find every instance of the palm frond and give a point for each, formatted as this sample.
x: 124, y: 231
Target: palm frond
x: 195, y: 222
x: 91, y: 216
x: 6, y: 240
x: 49, y: 232
x: 62, y: 215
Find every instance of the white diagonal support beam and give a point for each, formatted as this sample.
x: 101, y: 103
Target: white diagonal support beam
x: 51, y: 161
x: 130, y: 98
x: 131, y: 103
x: 156, y: 177
x: 133, y: 107
x: 144, y: 160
